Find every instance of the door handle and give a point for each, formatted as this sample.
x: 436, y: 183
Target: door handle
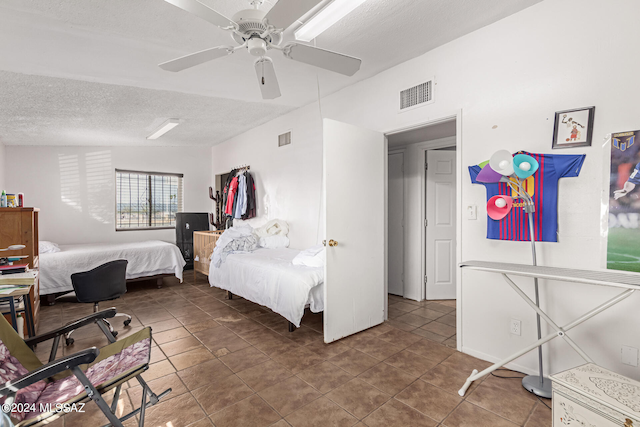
x: 333, y: 243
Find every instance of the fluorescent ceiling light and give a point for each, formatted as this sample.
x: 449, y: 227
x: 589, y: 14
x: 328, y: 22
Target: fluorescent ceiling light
x: 166, y: 127
x: 324, y: 19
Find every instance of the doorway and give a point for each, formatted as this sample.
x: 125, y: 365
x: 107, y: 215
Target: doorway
x: 356, y: 294
x: 421, y: 216
x: 422, y: 229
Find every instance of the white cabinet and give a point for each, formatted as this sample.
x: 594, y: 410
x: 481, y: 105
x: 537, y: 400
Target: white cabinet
x: 591, y: 396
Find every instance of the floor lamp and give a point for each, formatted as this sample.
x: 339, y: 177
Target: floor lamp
x: 514, y: 171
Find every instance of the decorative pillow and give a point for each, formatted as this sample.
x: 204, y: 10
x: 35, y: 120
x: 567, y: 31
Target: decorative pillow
x: 10, y: 369
x: 48, y: 247
x: 274, y: 242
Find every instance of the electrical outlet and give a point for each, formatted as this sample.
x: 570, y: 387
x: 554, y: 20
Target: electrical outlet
x: 515, y: 327
x: 629, y: 356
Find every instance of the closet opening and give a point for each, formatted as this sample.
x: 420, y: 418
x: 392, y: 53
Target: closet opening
x: 423, y: 228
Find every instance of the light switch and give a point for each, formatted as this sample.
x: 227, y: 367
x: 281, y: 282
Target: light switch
x: 472, y: 212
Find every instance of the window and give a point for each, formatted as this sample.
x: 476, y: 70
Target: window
x: 147, y: 200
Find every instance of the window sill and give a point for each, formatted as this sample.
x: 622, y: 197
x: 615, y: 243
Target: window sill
x: 146, y: 228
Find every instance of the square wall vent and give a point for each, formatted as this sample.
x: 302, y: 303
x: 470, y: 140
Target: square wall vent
x: 416, y: 96
x: 284, y: 139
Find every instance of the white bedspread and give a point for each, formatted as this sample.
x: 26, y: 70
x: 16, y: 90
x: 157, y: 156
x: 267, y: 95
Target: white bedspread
x: 267, y: 277
x: 145, y: 259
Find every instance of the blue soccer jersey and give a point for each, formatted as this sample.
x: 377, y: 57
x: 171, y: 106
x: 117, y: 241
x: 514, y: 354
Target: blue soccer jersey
x: 543, y: 188
x: 634, y: 178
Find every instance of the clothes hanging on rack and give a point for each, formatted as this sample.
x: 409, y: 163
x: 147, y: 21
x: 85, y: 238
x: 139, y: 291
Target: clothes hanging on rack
x: 239, y: 196
x: 225, y: 191
x: 231, y: 196
x: 241, y: 203
x: 251, y: 210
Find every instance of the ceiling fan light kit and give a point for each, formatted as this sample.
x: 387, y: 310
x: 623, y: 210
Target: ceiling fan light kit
x: 257, y: 46
x: 260, y: 32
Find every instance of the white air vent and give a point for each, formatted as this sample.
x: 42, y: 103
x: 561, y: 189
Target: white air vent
x: 284, y: 139
x: 416, y: 96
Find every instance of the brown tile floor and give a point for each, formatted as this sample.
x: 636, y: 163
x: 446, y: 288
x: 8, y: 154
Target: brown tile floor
x: 232, y: 363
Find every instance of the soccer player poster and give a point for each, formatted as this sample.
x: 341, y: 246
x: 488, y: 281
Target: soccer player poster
x: 623, y: 249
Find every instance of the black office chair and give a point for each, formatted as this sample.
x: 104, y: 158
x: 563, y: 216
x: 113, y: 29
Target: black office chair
x: 104, y: 283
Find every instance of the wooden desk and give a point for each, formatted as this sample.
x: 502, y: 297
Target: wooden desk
x: 25, y: 293
x: 19, y: 226
x: 25, y: 290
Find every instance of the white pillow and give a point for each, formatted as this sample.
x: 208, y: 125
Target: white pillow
x: 48, y: 247
x: 312, y: 257
x: 274, y: 242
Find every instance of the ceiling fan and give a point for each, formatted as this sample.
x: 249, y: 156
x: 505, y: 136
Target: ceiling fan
x: 260, y: 32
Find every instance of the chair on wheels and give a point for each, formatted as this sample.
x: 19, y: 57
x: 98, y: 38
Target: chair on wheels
x: 104, y: 283
x: 37, y: 394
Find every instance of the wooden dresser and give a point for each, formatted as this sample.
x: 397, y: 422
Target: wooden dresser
x: 19, y: 226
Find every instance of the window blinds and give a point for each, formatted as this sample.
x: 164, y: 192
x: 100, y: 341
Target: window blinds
x: 147, y: 200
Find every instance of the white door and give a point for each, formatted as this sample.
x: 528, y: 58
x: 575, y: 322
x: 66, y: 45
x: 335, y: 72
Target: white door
x: 355, y: 271
x: 441, y: 225
x: 396, y: 224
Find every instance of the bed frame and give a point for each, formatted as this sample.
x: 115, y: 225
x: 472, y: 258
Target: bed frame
x: 50, y: 299
x: 292, y: 327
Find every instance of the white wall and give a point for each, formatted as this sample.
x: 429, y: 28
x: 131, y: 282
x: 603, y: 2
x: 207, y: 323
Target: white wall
x: 288, y: 179
x: 2, y: 167
x: 74, y: 187
x: 514, y: 74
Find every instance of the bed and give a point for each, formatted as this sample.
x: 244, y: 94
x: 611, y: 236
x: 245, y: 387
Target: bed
x: 147, y: 259
x: 267, y: 277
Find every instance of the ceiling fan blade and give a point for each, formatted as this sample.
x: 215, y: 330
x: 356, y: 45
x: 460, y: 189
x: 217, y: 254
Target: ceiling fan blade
x: 197, y: 58
x: 322, y: 58
x: 286, y: 12
x: 203, y: 11
x: 267, y: 78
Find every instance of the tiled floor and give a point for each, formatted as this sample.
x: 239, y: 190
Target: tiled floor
x: 232, y: 363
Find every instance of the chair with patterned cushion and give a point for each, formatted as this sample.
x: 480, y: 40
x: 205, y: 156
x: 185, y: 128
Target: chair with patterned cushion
x: 39, y: 393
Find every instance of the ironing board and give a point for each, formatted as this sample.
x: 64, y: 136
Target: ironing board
x: 628, y: 281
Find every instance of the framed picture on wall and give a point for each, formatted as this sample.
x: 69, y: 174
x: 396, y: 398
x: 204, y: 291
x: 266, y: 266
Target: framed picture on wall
x: 573, y: 128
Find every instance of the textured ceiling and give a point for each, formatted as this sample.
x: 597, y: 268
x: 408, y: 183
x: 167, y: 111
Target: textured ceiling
x: 37, y: 110
x: 120, y: 42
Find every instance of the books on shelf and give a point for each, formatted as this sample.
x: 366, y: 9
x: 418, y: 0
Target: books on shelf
x: 13, y: 268
x: 24, y: 278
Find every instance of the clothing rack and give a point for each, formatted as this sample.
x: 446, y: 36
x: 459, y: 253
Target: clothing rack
x: 242, y: 168
x: 240, y: 186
